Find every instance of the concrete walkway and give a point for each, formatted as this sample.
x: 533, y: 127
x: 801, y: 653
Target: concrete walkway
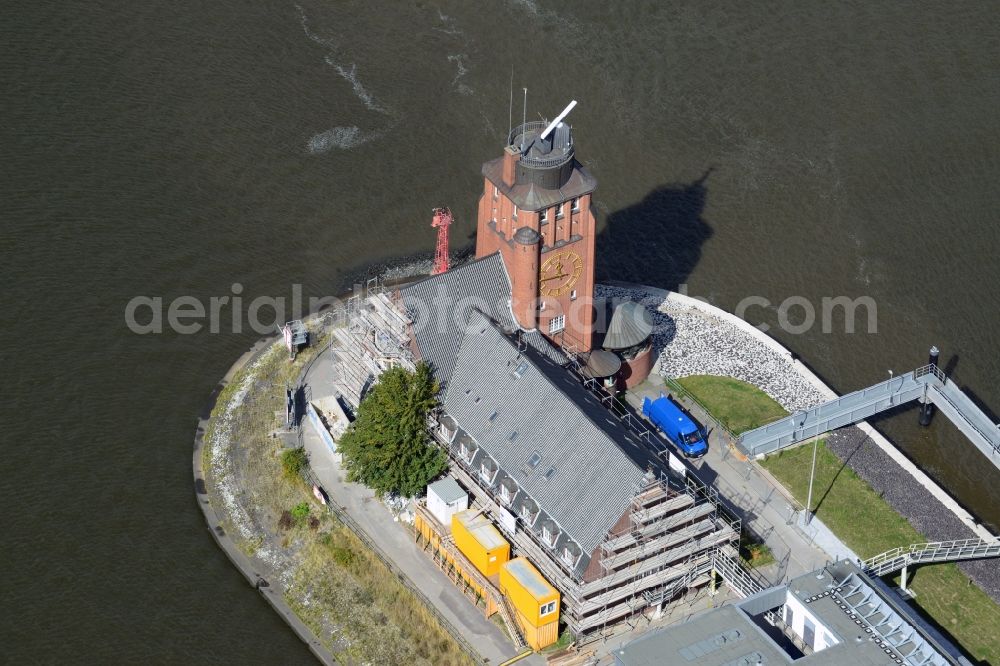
x: 760, y: 501
x: 396, y: 542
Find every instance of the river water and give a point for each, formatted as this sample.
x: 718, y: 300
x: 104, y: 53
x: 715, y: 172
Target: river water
x: 770, y: 149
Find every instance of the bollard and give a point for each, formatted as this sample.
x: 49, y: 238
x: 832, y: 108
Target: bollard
x: 927, y: 409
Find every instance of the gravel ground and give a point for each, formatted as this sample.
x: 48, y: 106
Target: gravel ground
x: 693, y: 342
x: 911, y: 500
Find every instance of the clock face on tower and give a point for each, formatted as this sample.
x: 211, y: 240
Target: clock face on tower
x: 559, y: 273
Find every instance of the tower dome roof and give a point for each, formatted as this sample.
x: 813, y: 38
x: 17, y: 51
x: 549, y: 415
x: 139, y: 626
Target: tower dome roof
x: 526, y: 236
x: 630, y: 325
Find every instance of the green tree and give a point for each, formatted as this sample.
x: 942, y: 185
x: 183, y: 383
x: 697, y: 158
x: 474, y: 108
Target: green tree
x: 388, y: 447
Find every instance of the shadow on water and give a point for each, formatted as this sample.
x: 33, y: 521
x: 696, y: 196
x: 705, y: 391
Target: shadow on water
x: 658, y: 240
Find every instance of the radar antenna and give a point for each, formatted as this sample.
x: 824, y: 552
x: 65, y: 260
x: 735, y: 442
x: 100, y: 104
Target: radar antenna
x: 559, y: 119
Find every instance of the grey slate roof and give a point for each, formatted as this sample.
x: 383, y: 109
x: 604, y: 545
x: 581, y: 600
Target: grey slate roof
x: 630, y: 324
x: 447, y: 489
x: 506, y: 401
x: 439, y: 307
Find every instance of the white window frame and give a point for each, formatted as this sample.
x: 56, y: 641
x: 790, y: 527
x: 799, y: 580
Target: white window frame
x: 567, y: 556
x: 496, y: 192
x: 505, y: 494
x: 515, y: 212
x: 575, y: 205
x: 484, y: 473
x: 559, y: 211
x: 547, y: 609
x: 543, y: 217
x: 572, y: 295
x: 557, y: 323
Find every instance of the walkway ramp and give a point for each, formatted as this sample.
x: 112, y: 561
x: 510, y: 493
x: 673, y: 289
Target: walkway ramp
x: 925, y: 384
x: 929, y: 553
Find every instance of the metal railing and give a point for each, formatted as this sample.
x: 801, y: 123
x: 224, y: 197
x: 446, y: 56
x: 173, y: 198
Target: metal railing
x: 739, y: 579
x: 930, y: 369
x: 556, y: 158
x: 926, y: 553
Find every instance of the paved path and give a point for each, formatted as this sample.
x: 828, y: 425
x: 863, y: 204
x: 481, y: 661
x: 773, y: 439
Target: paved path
x: 396, y: 542
x: 760, y: 501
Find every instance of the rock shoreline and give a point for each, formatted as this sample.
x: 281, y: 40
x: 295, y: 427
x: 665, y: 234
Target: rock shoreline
x: 259, y: 577
x: 911, y: 500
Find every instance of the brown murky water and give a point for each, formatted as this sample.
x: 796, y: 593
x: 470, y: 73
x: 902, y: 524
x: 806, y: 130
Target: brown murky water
x: 168, y: 149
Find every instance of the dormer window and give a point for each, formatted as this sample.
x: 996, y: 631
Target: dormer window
x: 548, y: 536
x: 466, y: 451
x: 506, y: 493
x: 568, y: 557
x: 485, y: 473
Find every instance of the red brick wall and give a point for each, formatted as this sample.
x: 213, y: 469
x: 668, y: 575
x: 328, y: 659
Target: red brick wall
x: 634, y: 372
x: 497, y: 225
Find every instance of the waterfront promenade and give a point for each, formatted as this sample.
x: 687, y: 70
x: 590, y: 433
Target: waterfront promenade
x: 394, y: 539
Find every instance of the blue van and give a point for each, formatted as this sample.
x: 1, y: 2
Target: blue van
x: 676, y: 425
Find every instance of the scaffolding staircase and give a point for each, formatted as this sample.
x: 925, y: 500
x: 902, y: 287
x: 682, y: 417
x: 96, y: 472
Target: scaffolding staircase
x: 739, y: 579
x: 928, y: 553
x: 510, y: 619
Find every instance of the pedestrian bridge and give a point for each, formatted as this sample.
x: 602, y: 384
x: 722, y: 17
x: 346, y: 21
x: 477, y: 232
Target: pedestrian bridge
x: 928, y: 553
x: 927, y: 385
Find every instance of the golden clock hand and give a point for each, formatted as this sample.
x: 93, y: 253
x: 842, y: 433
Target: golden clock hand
x: 555, y: 277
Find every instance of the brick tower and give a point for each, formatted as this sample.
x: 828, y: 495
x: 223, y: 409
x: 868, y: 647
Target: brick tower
x: 536, y: 210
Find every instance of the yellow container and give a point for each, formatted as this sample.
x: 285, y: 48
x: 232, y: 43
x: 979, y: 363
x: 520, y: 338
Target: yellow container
x: 479, y: 541
x: 427, y: 531
x: 534, y: 599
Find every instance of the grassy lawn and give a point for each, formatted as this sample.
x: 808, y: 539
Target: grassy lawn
x: 736, y: 404
x: 343, y: 583
x: 869, y: 526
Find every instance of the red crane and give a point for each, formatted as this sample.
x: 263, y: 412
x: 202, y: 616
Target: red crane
x: 442, y: 218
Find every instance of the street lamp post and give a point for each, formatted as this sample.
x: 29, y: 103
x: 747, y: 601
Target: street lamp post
x: 812, y: 474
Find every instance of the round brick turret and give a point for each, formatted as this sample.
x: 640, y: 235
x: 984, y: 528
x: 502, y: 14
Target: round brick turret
x: 524, y: 277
